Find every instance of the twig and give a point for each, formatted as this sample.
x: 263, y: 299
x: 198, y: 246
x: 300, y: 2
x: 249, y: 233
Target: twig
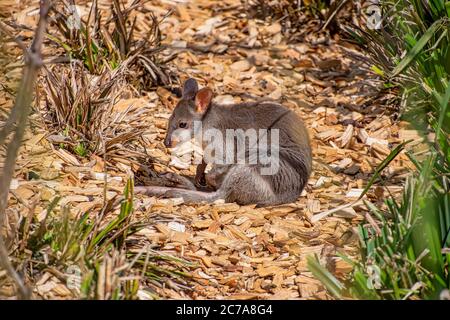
x: 4, y: 29
x: 333, y: 14
x: 8, y: 127
x: 33, y: 62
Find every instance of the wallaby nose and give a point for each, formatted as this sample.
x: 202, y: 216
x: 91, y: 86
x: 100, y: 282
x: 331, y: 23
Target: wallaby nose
x: 167, y: 142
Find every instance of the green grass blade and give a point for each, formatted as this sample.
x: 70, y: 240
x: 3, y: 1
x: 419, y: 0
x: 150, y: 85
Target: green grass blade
x: 420, y: 44
x: 329, y: 281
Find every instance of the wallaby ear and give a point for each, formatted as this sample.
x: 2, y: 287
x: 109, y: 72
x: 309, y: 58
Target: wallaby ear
x: 203, y: 100
x: 190, y: 89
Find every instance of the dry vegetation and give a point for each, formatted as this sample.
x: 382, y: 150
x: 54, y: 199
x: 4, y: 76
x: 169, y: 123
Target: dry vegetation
x: 98, y: 125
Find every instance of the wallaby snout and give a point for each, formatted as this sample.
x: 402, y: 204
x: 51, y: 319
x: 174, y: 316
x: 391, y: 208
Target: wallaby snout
x: 168, y: 141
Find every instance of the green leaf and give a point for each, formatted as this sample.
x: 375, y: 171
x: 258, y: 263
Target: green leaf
x: 329, y: 281
x: 444, y: 104
x: 383, y: 165
x: 377, y: 70
x: 80, y: 149
x: 420, y: 44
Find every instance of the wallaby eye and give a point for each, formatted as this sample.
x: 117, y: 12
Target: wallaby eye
x: 182, y: 124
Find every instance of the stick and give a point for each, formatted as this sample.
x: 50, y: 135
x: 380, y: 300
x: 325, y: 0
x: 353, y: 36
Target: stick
x: 22, y: 106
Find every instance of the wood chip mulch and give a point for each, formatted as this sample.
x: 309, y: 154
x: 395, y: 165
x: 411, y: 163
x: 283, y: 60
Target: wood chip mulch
x: 239, y: 252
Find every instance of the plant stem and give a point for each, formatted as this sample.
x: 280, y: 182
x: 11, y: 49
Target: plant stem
x: 22, y: 109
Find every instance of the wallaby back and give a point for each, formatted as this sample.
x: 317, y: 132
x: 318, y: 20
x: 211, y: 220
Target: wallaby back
x: 243, y: 183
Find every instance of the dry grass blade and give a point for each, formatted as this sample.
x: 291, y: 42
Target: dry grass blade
x: 105, y: 44
x: 78, y: 107
x: 294, y: 16
x: 22, y: 107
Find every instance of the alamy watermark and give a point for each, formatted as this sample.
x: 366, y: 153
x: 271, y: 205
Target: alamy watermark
x: 236, y: 146
x: 374, y: 18
x: 374, y: 277
x: 74, y: 19
x: 72, y: 16
x: 73, y: 277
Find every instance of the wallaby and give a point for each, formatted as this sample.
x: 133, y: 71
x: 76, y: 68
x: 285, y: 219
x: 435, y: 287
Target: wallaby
x: 240, y: 182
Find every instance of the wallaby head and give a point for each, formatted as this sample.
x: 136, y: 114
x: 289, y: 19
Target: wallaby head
x: 192, y: 107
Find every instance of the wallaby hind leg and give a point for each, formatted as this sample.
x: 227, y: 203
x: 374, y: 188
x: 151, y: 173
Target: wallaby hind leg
x: 244, y: 185
x: 189, y: 196
x: 179, y: 181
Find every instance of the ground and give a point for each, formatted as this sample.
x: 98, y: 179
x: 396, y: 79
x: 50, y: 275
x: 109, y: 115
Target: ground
x: 238, y: 252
